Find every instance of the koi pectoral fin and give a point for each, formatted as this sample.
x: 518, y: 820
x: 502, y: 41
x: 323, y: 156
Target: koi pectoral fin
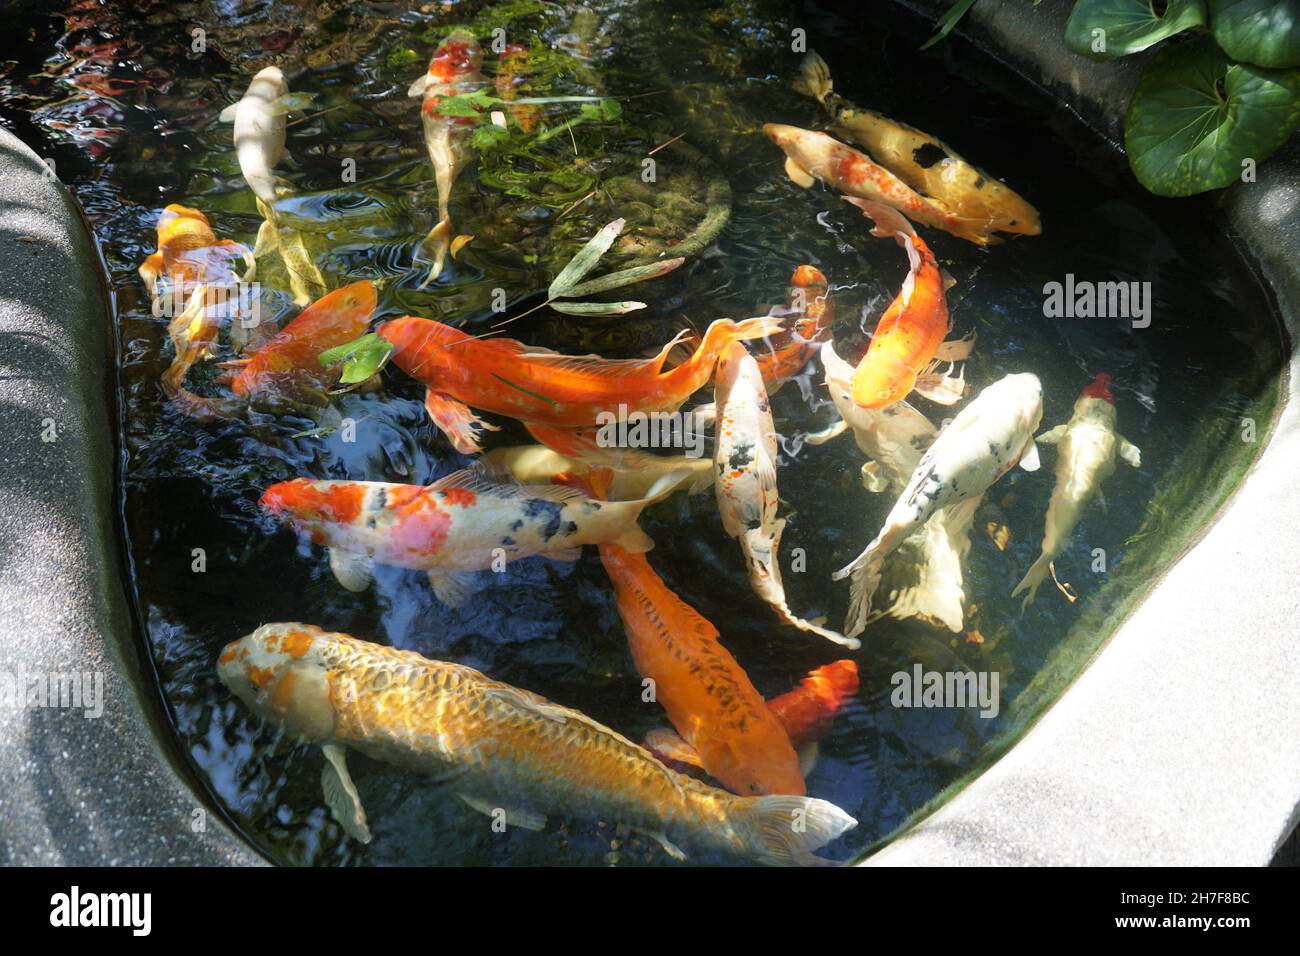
x: 956, y: 350
x: 341, y: 794
x: 452, y: 588
x: 1130, y: 453
x: 668, y: 744
x: 873, y: 478
x: 510, y: 816
x: 798, y: 175
x: 826, y: 434
x: 942, y: 388
x: 455, y: 420
x: 352, y: 570
x: 1051, y: 436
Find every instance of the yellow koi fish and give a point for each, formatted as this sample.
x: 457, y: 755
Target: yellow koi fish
x: 503, y: 750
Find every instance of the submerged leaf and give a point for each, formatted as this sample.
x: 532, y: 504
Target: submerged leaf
x: 585, y: 260
x: 948, y: 21
x: 1196, y: 116
x: 361, y: 358
x: 597, y: 308
x: 1263, y: 32
x: 1128, y: 26
x: 616, y: 280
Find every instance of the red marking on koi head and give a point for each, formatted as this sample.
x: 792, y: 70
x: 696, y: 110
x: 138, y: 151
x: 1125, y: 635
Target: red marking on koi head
x: 1099, y: 388
x: 806, y: 276
x: 455, y: 57
x: 413, y: 339
x: 305, y: 500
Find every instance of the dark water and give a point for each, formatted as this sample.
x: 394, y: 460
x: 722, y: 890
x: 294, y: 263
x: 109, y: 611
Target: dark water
x: 128, y: 111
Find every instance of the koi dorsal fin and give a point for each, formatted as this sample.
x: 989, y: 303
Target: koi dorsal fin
x: 597, y: 366
x: 480, y: 482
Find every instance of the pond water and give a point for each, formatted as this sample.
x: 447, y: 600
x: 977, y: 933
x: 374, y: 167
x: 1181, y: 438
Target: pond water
x: 128, y: 110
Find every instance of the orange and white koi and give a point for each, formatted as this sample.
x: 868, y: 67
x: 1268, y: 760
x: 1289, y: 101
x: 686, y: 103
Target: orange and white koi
x: 287, y: 364
x: 908, y: 343
x: 804, y: 713
x: 460, y: 524
x: 985, y: 441
x: 1087, y: 446
x: 533, y: 384
x: 981, y: 203
x: 744, y: 458
x: 930, y: 583
x: 454, y: 69
x: 503, y: 749
x: 785, y: 355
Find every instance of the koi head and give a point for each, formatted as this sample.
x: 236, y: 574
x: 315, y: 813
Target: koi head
x: 181, y: 228
x: 457, y: 56
x: 880, y: 380
x: 279, y: 672
x: 306, y: 503
x: 1099, y: 388
x: 414, y: 339
x: 340, y: 316
x: 808, y: 277
x: 268, y: 85
x: 775, y: 772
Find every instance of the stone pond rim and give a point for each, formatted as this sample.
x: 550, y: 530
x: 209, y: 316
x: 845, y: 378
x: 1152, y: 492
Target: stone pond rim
x: 1165, y: 750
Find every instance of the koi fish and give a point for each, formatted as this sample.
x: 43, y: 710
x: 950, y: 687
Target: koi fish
x: 927, y: 578
x: 785, y: 356
x: 259, y: 131
x: 454, y: 69
x: 576, y: 451
x: 925, y: 163
x: 744, y: 458
x: 804, y: 713
x: 812, y: 156
x: 511, y: 62
x: 1087, y: 447
x: 985, y: 441
x: 533, y: 384
x: 287, y: 363
x: 908, y: 343
x: 501, y: 749
x: 459, y: 524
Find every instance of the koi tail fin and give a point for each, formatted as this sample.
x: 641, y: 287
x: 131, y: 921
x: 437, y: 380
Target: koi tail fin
x: 814, y: 78
x: 889, y: 222
x: 438, y: 242
x: 723, y: 332
x: 761, y: 549
x: 633, y: 539
x: 786, y: 830
x: 1035, y: 576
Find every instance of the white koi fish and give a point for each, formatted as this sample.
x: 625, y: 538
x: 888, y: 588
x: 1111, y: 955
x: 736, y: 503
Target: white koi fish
x: 459, y: 524
x: 744, y: 459
x: 259, y: 130
x: 1086, y: 449
x: 929, y: 582
x: 985, y: 441
x: 453, y: 69
x: 505, y: 752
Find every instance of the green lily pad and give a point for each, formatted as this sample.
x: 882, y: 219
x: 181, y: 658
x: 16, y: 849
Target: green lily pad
x: 1130, y: 25
x: 1196, y: 116
x: 1263, y: 32
x: 361, y: 358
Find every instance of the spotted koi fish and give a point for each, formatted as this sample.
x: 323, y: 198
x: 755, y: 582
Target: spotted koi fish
x: 533, y: 384
x: 287, y: 364
x: 744, y: 460
x: 457, y: 525
x: 454, y: 69
x: 985, y: 441
x: 1087, y: 447
x: 984, y: 205
x: 502, y: 750
x: 908, y: 343
x: 804, y: 713
x: 813, y: 312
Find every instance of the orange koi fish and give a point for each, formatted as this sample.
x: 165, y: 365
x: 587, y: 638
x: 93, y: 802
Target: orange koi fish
x: 511, y: 63
x: 287, y: 363
x: 454, y: 69
x: 460, y: 524
x: 804, y: 713
x: 533, y: 384
x: 503, y: 749
x: 785, y: 356
x: 927, y: 164
x: 908, y: 343
x: 744, y: 459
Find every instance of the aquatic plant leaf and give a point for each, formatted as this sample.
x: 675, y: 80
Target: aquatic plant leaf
x: 468, y: 104
x: 1127, y: 26
x: 585, y: 260
x: 616, y: 280
x: 949, y: 20
x: 1262, y: 32
x: 1196, y: 117
x: 597, y: 308
x: 361, y: 358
